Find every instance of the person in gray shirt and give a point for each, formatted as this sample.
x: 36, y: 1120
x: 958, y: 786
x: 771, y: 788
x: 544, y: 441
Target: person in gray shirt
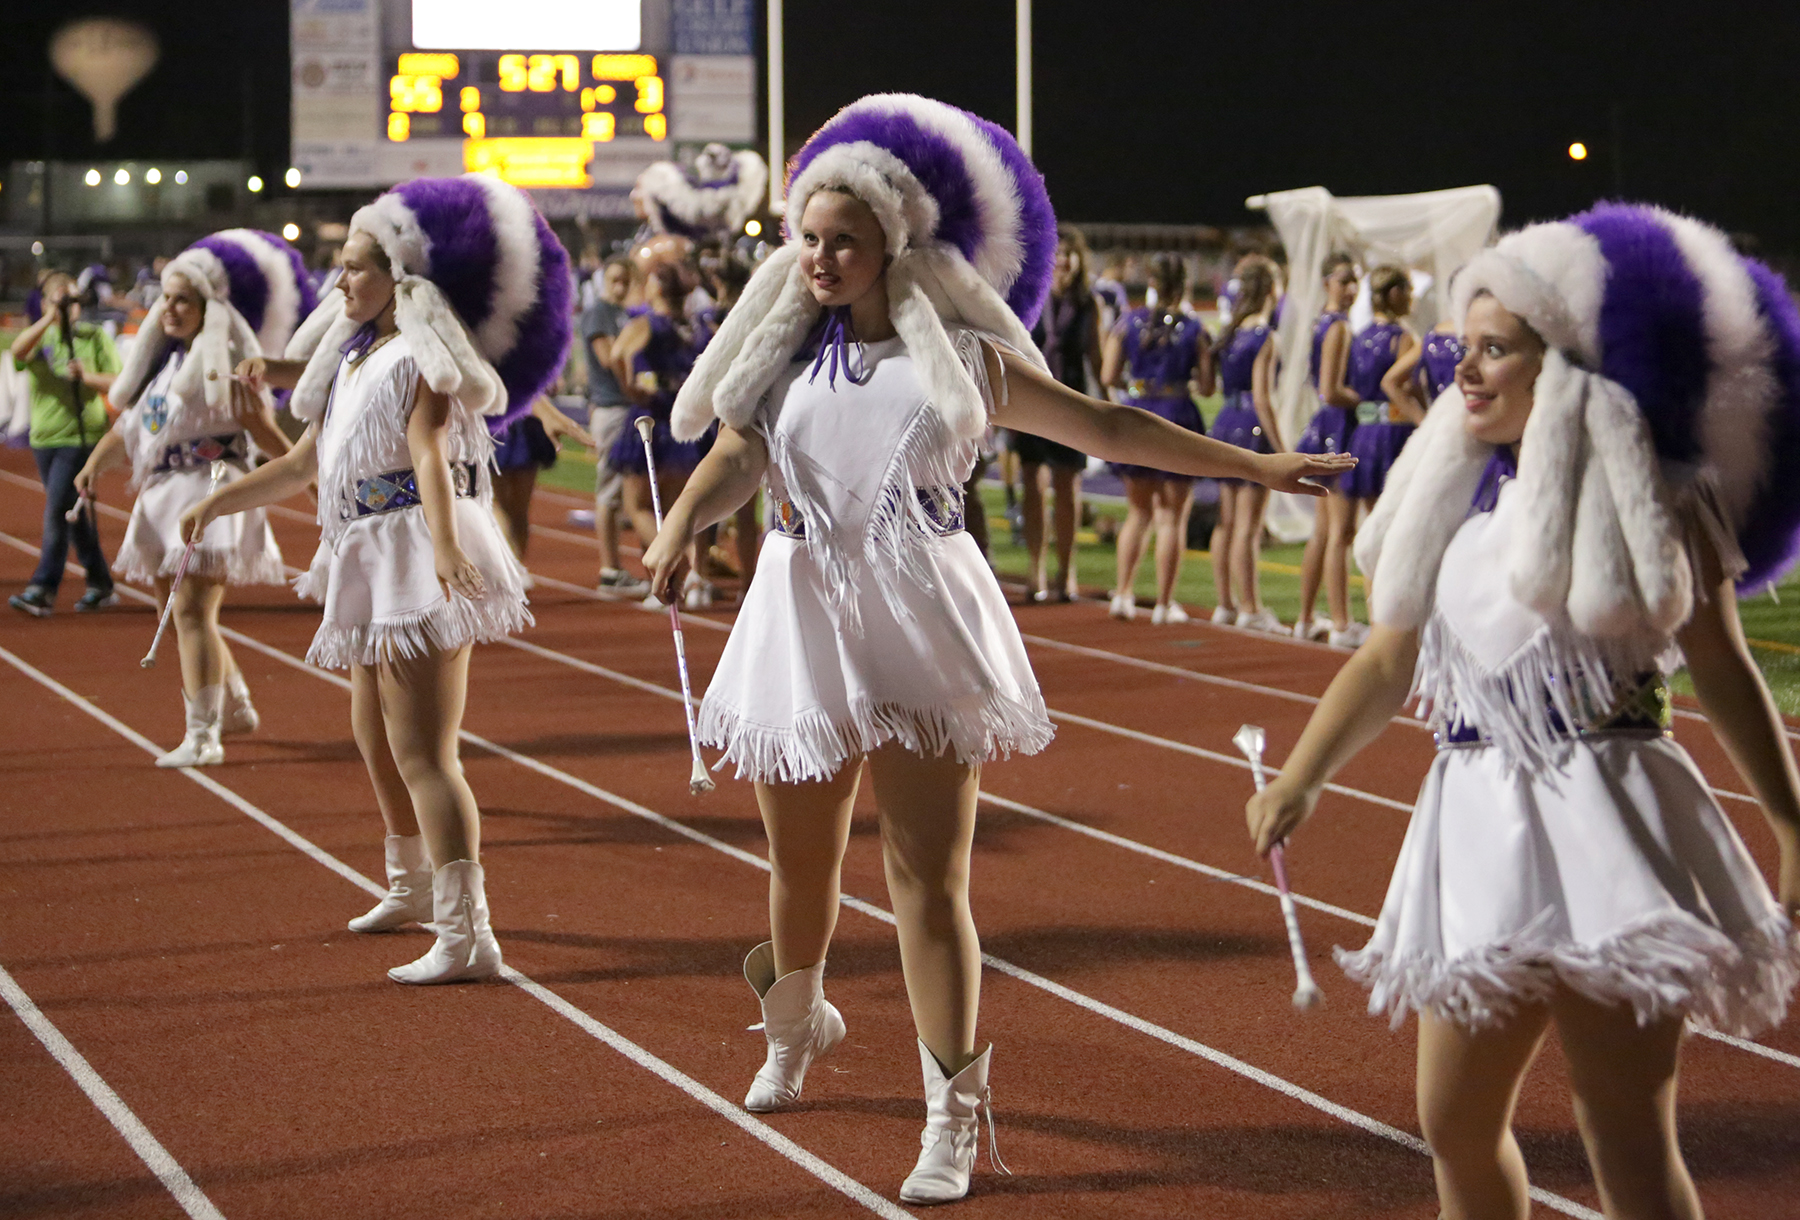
x: 608, y: 406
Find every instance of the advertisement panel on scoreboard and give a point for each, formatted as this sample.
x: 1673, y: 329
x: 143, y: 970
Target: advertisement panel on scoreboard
x: 559, y: 95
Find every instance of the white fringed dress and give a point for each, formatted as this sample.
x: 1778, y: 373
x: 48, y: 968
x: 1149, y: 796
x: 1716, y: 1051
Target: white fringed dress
x: 172, y: 437
x: 374, y: 570
x: 1599, y: 859
x: 873, y: 617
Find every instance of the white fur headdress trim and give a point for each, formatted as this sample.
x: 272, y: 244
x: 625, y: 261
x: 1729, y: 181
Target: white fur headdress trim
x: 514, y: 223
x: 396, y: 230
x: 907, y: 212
x: 1552, y: 275
x: 224, y: 338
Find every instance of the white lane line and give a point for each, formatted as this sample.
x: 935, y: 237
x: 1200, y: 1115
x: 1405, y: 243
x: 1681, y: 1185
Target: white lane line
x: 674, y: 1076
x: 168, y: 1171
x: 827, y: 1173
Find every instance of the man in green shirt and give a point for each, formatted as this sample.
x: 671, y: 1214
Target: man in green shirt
x: 71, y: 366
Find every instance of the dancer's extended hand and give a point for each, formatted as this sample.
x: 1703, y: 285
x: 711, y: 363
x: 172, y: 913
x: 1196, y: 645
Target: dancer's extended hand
x: 1287, y: 471
x: 665, y: 559
x: 457, y: 574
x: 560, y: 428
x: 1276, y: 811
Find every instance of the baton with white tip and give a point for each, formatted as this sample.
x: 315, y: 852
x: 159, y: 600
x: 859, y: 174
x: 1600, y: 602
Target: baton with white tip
x: 1250, y: 740
x: 162, y: 625
x: 698, y: 780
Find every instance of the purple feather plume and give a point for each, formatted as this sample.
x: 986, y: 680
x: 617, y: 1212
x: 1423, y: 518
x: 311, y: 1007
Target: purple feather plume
x: 249, y: 290
x: 1770, y: 538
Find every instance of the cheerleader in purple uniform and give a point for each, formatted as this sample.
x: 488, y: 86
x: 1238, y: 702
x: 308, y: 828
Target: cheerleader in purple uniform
x: 1386, y: 412
x: 1246, y: 363
x: 653, y: 356
x: 1328, y: 550
x: 521, y: 449
x: 1153, y: 355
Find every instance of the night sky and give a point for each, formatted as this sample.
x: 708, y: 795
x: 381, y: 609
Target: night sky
x: 1169, y: 111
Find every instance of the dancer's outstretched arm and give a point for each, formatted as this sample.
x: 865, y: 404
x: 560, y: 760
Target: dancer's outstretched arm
x: 269, y: 483
x: 1031, y: 401
x: 1358, y: 704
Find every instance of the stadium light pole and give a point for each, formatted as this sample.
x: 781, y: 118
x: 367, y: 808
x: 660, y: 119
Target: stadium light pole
x: 1023, y: 38
x: 777, y: 83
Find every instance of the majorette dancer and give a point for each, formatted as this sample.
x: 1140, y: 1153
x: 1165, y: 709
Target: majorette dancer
x: 1245, y: 361
x: 226, y: 298
x: 1566, y: 861
x: 454, y: 303
x: 1386, y: 414
x: 920, y: 248
x: 1154, y: 355
x: 1327, y: 554
x: 712, y: 199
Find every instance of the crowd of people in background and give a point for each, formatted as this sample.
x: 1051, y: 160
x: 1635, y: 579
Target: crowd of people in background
x: 1142, y: 329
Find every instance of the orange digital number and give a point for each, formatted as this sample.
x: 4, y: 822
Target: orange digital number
x: 598, y: 125
x: 475, y: 125
x: 399, y: 127
x: 656, y: 126
x: 512, y: 73
x: 649, y: 95
x: 471, y: 98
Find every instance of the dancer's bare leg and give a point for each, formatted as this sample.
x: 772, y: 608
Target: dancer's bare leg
x: 1031, y: 508
x: 1246, y: 542
x: 1337, y: 512
x: 1219, y: 548
x: 366, y: 725
x: 1624, y: 1077
x: 808, y: 825
x: 1174, y: 498
x: 927, y: 810
x: 422, y: 707
x: 1140, y: 509
x: 512, y: 504
x: 1468, y: 1085
x: 1066, y: 483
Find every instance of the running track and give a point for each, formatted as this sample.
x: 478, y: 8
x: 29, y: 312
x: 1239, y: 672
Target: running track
x: 196, y: 1033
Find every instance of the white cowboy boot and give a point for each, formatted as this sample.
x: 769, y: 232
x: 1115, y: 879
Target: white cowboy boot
x: 240, y: 713
x: 465, y: 947
x: 798, y: 1024
x: 200, y: 747
x: 952, y: 1131
x: 408, y: 899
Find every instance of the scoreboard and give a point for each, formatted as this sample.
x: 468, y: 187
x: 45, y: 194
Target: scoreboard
x: 531, y: 117
x: 379, y: 97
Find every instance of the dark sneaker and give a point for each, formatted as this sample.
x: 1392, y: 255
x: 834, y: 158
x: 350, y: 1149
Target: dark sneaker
x: 96, y: 599
x: 616, y: 582
x: 33, y: 601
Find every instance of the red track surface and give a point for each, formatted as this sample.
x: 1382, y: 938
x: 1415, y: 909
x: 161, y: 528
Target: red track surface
x: 1146, y: 1063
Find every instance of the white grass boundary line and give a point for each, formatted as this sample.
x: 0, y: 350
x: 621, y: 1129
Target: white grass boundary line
x: 679, y: 828
x: 172, y: 1174
x: 675, y: 1076
x: 168, y: 1171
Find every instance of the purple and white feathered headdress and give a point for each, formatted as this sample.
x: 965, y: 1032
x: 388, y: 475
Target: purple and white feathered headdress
x: 969, y: 231
x: 720, y: 192
x: 481, y: 291
x: 1672, y: 371
x: 256, y: 291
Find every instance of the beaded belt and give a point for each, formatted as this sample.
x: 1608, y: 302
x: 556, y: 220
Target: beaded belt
x: 943, y: 509
x: 1379, y: 413
x: 204, y: 451
x: 1648, y: 709
x: 394, y: 489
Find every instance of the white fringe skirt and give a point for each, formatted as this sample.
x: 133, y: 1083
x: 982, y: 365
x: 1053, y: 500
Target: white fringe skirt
x: 796, y: 695
x: 239, y: 549
x: 1615, y: 873
x: 382, y: 597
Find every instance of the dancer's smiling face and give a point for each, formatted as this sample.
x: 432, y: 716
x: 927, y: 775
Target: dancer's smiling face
x: 183, y: 310
x: 1499, y: 372
x: 366, y: 283
x: 843, y: 251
